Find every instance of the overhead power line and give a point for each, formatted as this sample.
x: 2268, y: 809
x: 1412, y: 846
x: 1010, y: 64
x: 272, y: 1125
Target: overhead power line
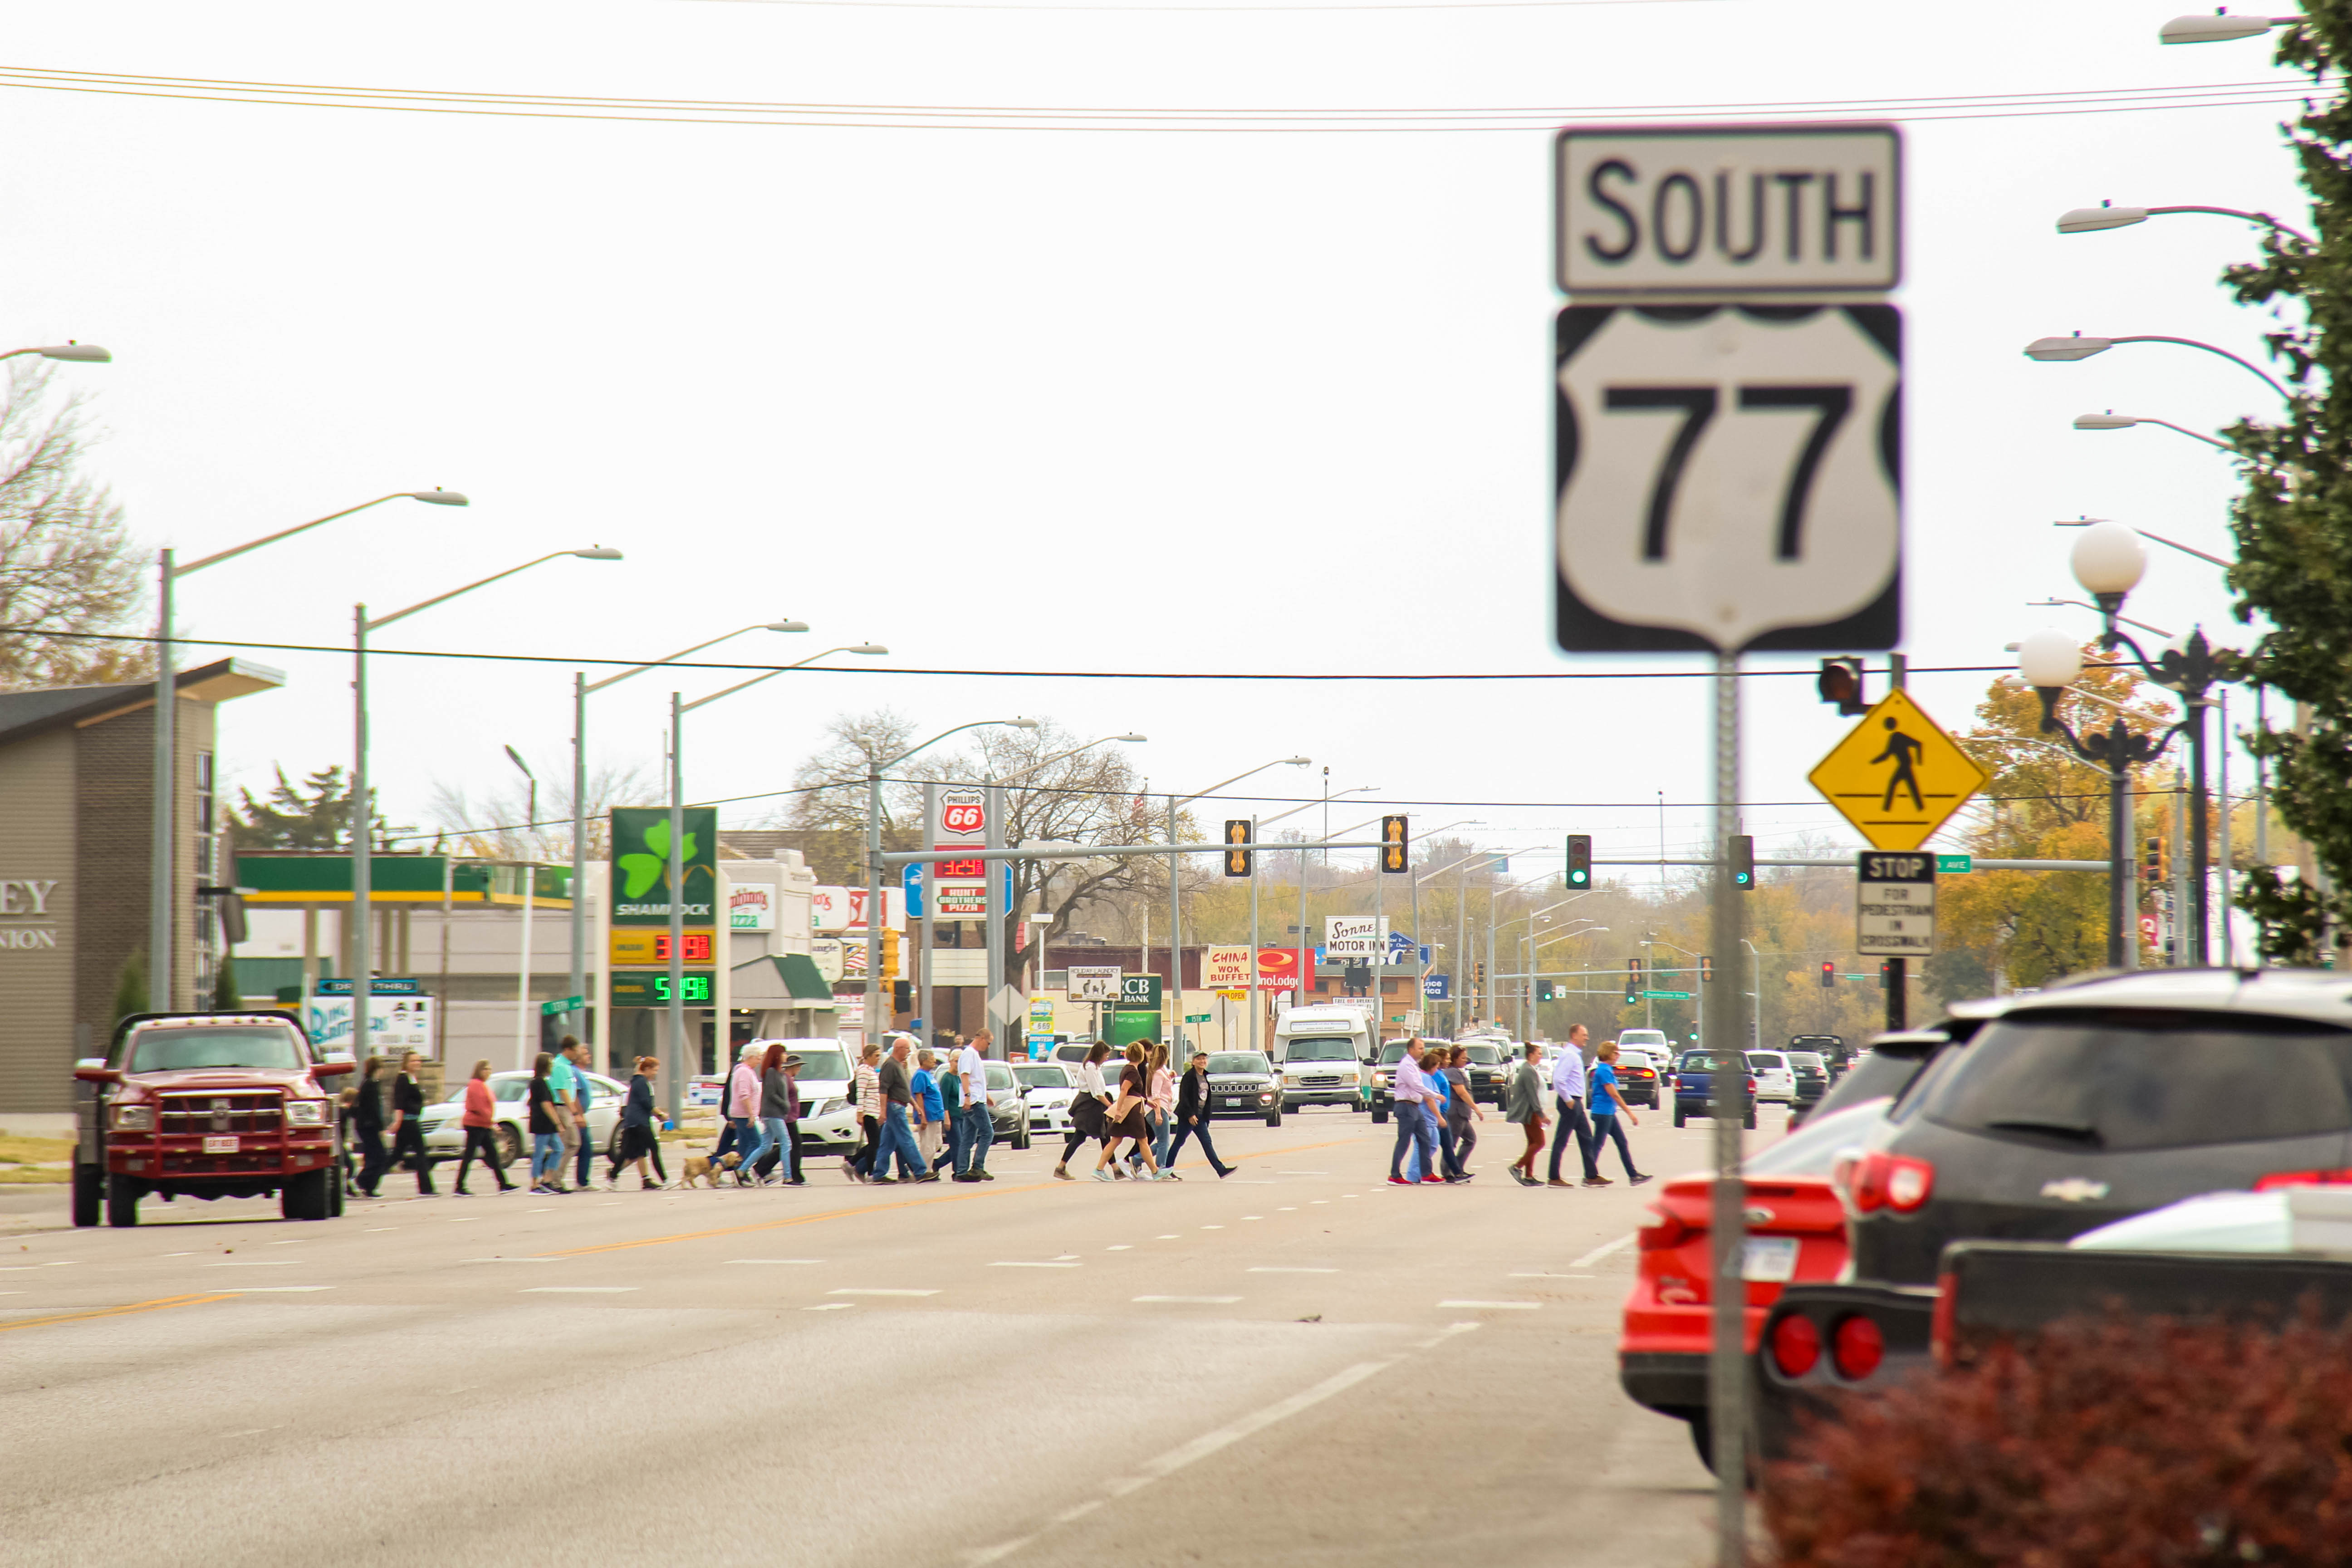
x: 872, y: 670
x: 1100, y: 118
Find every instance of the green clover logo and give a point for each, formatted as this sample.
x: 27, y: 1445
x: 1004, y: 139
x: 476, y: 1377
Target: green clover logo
x: 642, y: 871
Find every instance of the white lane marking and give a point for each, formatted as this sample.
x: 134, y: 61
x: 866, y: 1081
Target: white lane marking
x: 372, y: 1230
x: 192, y: 1255
x: 579, y: 1289
x: 1553, y: 1276
x: 255, y: 1431
x: 1311, y: 1202
x: 539, y: 1211
x: 1063, y: 1257
x: 1287, y: 1209
x: 1249, y: 1217
x: 864, y: 1290
x: 296, y: 1242
x: 11, y: 1292
x: 1122, y: 1247
x: 1445, y: 1334
x: 1209, y: 1443
x: 1169, y: 1238
x: 1292, y: 1271
x: 280, y: 1289
x: 1213, y: 1228
x: 1597, y: 1253
x: 1024, y: 1264
x: 468, y: 1220
x: 1193, y: 1300
x: 258, y: 1263
x: 1493, y: 1305
x: 794, y: 1260
x: 1083, y: 1509
x: 831, y: 1307
x: 1347, y: 1195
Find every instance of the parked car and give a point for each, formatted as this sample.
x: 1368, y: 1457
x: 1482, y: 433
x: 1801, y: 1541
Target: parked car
x: 1049, y: 1086
x: 1384, y: 1075
x: 1319, y: 1070
x: 2063, y: 1111
x: 828, y: 1123
x: 1490, y: 1071
x: 444, y: 1133
x: 1668, y: 1324
x: 1774, y: 1080
x: 1008, y: 1105
x: 1242, y: 1083
x: 1694, y: 1077
x: 205, y: 1105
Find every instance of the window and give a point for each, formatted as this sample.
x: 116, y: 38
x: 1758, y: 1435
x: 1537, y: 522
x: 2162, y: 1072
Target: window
x: 222, y: 1046
x: 2119, y: 1079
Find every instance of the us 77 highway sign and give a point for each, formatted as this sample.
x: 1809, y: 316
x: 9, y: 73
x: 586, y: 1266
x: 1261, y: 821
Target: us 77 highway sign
x: 1728, y: 477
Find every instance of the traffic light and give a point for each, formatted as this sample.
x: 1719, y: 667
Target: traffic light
x: 1580, y: 859
x: 1633, y: 981
x: 1840, y: 682
x: 1396, y: 854
x: 889, y: 955
x: 1706, y: 970
x: 1543, y: 990
x: 1829, y: 974
x: 1882, y: 974
x: 2152, y: 863
x: 1743, y: 862
x: 902, y: 996
x: 1237, y: 861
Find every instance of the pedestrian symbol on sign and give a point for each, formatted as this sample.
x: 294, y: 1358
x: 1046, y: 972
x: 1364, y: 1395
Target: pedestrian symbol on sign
x: 1903, y: 751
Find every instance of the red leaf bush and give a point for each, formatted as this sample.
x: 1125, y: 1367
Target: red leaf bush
x: 2105, y: 1443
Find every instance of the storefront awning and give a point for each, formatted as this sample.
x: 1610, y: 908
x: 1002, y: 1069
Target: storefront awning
x: 779, y: 980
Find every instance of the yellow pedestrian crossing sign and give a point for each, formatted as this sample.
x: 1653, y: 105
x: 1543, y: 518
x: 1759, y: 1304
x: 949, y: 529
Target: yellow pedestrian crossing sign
x: 1897, y: 777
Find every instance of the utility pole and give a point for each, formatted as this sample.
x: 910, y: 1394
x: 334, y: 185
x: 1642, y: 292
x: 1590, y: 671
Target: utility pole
x: 1899, y: 979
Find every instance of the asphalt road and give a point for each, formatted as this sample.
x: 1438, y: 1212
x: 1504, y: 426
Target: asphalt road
x: 1300, y: 1364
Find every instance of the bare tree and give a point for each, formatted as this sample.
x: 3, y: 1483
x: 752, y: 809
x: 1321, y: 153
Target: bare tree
x: 66, y: 560
x: 496, y: 826
x: 830, y: 814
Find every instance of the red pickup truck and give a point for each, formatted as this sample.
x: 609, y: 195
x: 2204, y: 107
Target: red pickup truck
x: 205, y: 1105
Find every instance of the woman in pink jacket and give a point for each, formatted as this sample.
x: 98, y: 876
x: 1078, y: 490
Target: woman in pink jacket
x: 481, y: 1123
x: 743, y: 1110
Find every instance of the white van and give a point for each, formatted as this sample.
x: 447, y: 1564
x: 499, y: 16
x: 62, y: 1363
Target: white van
x: 1324, y: 1056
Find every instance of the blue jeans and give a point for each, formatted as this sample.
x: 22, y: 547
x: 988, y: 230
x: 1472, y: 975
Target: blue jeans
x: 899, y: 1135
x: 975, y: 1130
x: 751, y: 1140
x: 546, y: 1156
x: 776, y: 1135
x: 952, y: 1157
x: 1413, y: 1131
x: 1604, y: 1128
x: 1162, y: 1136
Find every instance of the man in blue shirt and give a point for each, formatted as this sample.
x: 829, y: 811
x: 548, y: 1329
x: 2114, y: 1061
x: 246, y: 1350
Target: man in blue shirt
x: 930, y: 1107
x: 1568, y: 1089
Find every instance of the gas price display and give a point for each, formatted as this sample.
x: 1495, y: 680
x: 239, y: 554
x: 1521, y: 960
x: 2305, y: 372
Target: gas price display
x: 691, y: 988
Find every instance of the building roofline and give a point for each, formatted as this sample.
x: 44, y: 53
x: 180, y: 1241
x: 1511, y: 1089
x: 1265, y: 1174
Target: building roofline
x: 23, y: 714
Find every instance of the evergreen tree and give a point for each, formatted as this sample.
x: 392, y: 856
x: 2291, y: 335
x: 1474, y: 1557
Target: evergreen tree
x: 131, y: 985
x: 315, y: 815
x: 225, y: 997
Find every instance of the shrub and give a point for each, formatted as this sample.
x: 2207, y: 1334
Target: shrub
x: 2105, y: 1443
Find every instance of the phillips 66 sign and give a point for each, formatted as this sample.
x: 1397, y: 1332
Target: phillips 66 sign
x: 1726, y: 411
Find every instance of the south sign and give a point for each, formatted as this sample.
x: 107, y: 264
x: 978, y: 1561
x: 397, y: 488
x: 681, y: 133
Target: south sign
x: 1727, y: 211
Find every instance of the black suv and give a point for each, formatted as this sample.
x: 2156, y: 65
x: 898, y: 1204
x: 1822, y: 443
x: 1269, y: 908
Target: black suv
x: 2054, y: 1114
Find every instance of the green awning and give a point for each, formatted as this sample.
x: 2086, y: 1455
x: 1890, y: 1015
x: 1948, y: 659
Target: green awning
x: 780, y: 980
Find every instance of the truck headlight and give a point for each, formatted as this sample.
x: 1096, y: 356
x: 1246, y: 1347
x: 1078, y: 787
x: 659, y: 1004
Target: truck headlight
x: 134, y: 1118
x: 306, y: 1113
x: 1349, y: 1078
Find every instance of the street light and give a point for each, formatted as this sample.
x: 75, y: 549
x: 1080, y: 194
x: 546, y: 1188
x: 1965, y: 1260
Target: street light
x: 73, y: 352
x: 2057, y: 350
x: 2106, y: 215
x: 2220, y: 27
x: 581, y: 687
x: 2208, y: 558
x: 874, y: 910
x: 362, y: 829
x: 530, y: 896
x: 2111, y: 420
x: 2084, y: 604
x: 162, y: 914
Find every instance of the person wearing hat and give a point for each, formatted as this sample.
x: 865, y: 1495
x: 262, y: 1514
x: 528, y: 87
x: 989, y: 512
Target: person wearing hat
x: 779, y: 1115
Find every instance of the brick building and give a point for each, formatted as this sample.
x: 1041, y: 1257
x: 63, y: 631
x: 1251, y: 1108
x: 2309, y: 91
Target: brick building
x: 77, y: 771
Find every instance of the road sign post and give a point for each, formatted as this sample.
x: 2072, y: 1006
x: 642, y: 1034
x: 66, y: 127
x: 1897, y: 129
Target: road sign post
x: 1727, y: 479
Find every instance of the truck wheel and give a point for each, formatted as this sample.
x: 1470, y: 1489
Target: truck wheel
x: 1358, y: 1105
x: 122, y: 1201
x: 1702, y: 1431
x: 509, y: 1145
x: 1749, y: 1122
x: 1274, y: 1119
x: 1678, y: 1117
x: 1380, y: 1114
x: 88, y: 1192
x: 304, y: 1196
x: 334, y: 1194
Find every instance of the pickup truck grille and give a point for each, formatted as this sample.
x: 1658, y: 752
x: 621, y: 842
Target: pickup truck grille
x: 192, y: 1114
x: 1328, y: 1081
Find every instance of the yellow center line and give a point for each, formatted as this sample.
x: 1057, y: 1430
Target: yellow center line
x: 159, y: 1304
x: 875, y: 1209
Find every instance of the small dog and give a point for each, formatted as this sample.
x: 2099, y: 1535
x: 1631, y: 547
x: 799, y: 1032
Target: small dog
x: 701, y: 1168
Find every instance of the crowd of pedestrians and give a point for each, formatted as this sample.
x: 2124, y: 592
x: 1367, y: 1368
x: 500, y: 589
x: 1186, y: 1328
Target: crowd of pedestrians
x: 1436, y: 1114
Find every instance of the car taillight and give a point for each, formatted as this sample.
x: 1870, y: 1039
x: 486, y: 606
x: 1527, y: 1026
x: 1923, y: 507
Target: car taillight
x: 1857, y: 1347
x: 2278, y: 1179
x: 1668, y: 1233
x: 1751, y: 1086
x: 1796, y: 1345
x: 1876, y: 1181
x: 1939, y: 1326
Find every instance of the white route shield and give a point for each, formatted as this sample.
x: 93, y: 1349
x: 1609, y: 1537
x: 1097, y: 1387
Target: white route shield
x: 1728, y: 477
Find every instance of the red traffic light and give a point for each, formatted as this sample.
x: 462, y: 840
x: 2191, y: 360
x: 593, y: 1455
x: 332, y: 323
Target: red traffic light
x: 1829, y: 973
x: 1840, y: 682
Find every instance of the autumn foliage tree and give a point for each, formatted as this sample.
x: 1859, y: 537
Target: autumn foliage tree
x: 66, y: 560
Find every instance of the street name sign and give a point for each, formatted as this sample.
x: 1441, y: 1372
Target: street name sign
x: 1897, y: 776
x: 1895, y: 905
x: 1093, y: 982
x: 561, y: 1005
x: 1727, y: 414
x: 1955, y: 864
x: 1729, y: 210
x: 1667, y: 996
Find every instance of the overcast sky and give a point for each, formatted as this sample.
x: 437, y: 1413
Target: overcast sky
x: 1029, y: 399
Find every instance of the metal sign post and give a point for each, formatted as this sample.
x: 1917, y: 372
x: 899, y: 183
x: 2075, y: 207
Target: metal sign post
x: 1727, y: 434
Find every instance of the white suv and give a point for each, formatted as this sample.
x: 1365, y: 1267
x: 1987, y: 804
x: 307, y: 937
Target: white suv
x: 1774, y: 1077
